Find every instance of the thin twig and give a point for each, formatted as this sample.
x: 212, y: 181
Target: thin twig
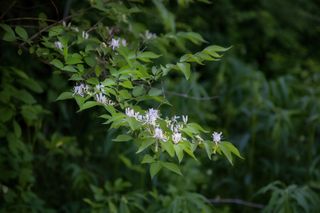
x: 45, y: 29
x: 235, y: 201
x: 55, y: 7
x: 5, y: 12
x: 30, y: 18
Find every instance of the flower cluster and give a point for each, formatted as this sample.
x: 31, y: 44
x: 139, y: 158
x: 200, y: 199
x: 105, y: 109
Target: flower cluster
x: 81, y: 89
x: 98, y: 93
x: 175, y: 125
x: 73, y: 28
x: 150, y: 118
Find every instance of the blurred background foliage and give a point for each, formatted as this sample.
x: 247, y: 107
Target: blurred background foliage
x: 264, y: 95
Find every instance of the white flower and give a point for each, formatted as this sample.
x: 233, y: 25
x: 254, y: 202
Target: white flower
x: 99, y: 87
x: 130, y: 112
x: 216, y: 137
x: 148, y: 35
x: 185, y: 119
x: 101, y: 98
x: 175, y: 119
x: 151, y: 116
x: 85, y: 35
x: 81, y: 89
x: 58, y: 45
x: 176, y: 137
x: 76, y: 29
x: 158, y: 134
x: 115, y: 43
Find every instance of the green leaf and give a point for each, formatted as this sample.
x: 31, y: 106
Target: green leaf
x: 154, y: 92
x: 75, y: 58
x: 133, y: 123
x: 17, y: 129
x: 147, y: 159
x: 122, y: 138
x: 155, y: 168
x: 168, y: 147
x: 195, y: 38
x: 146, y: 56
x: 22, y: 33
x: 88, y: 105
x: 57, y: 63
x: 226, y: 152
x: 185, y: 69
x: 65, y: 96
x: 166, y: 16
x: 126, y: 84
x: 69, y: 68
x: 145, y: 144
x: 178, y: 148
x: 31, y: 85
x: 231, y: 148
x: 25, y: 96
x: 138, y: 91
x: 212, y: 50
x: 216, y: 48
x: 208, y: 148
x: 9, y: 34
x: 172, y: 167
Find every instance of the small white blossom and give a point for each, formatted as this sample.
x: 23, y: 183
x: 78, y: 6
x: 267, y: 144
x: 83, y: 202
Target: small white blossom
x: 176, y: 137
x: 101, y: 98
x: 115, y: 43
x: 99, y: 87
x: 185, y: 119
x: 148, y: 35
x: 76, y: 29
x: 81, y: 89
x: 216, y: 137
x: 85, y: 35
x: 151, y: 116
x: 130, y: 112
x: 139, y: 117
x: 58, y: 45
x: 158, y: 134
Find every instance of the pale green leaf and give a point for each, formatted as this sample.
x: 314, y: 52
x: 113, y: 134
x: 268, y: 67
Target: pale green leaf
x: 185, y: 69
x: 122, y: 138
x: 64, y: 96
x: 172, y: 167
x: 22, y: 33
x: 155, y: 168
